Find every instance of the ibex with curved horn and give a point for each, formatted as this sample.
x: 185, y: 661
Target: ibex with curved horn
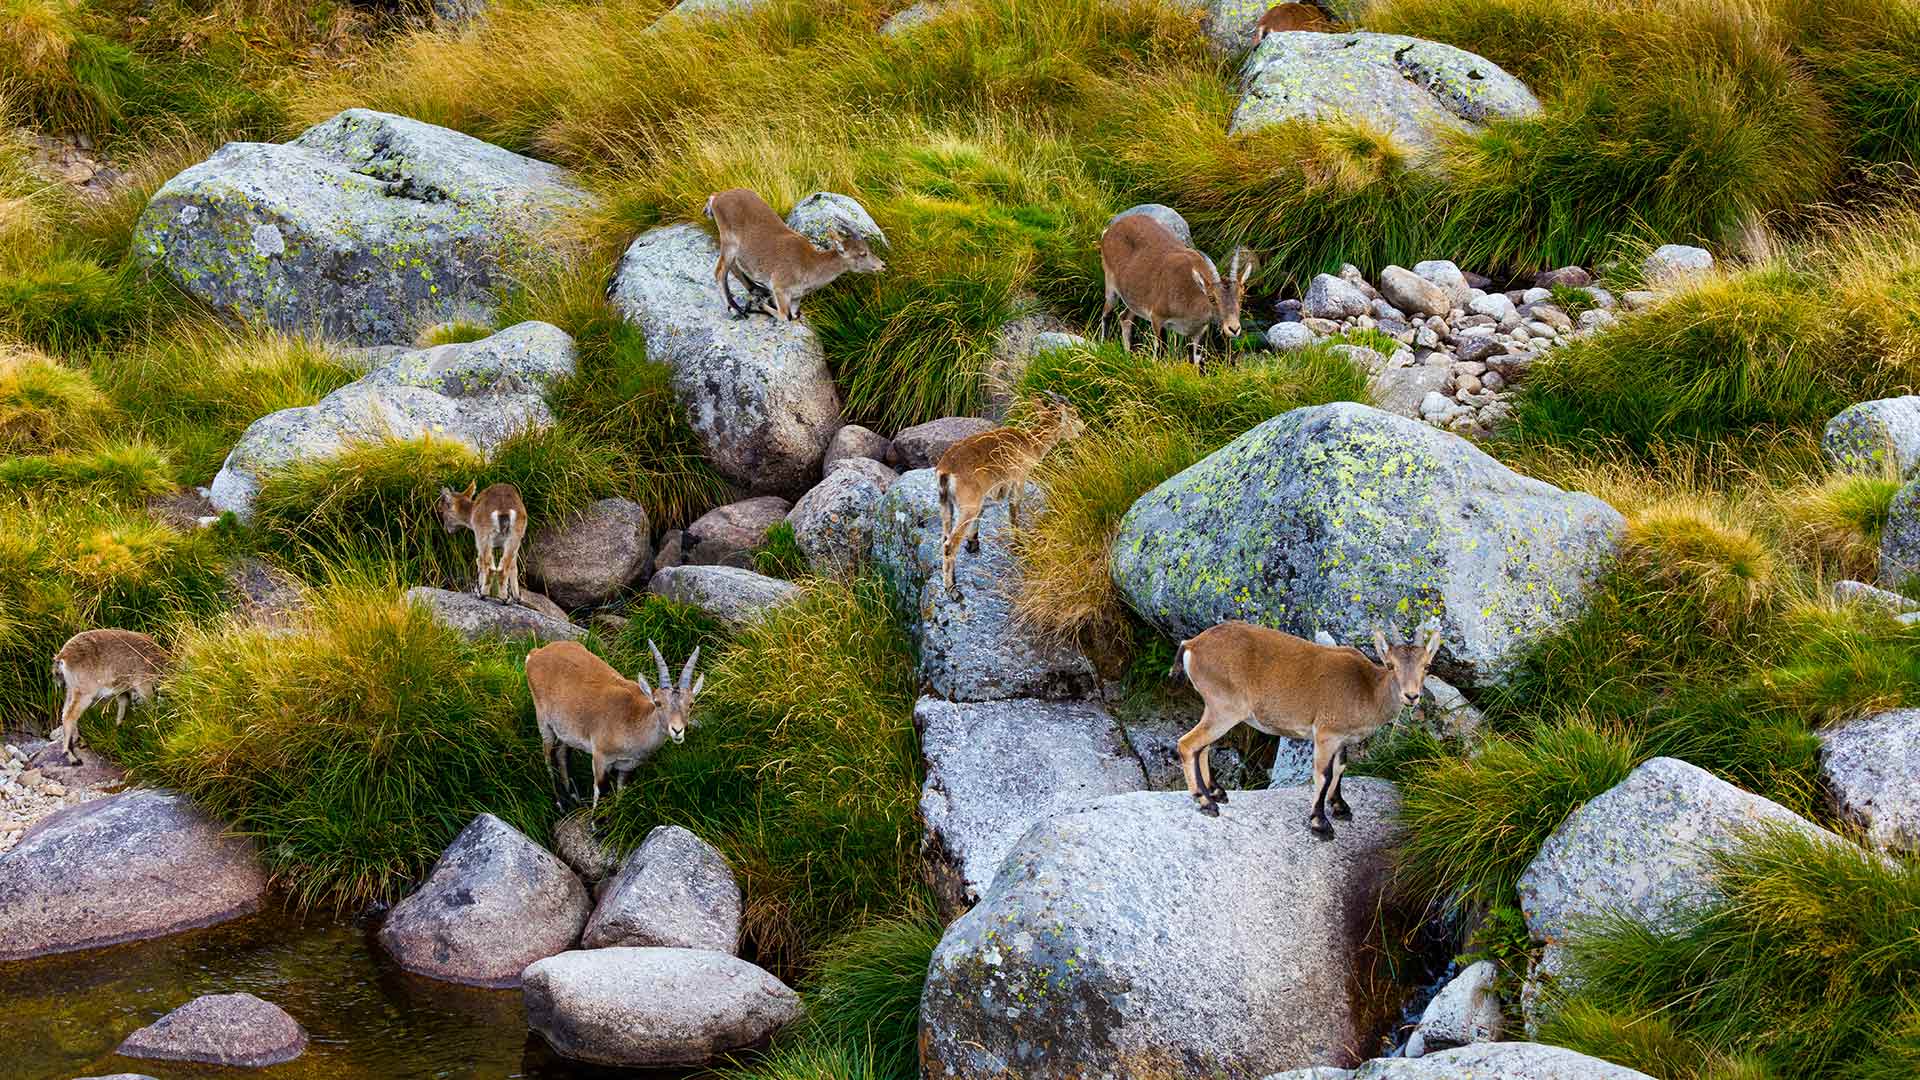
x: 581, y: 703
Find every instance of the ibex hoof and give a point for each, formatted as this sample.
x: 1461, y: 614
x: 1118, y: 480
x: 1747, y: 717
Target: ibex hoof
x: 1341, y: 811
x: 1321, y: 828
x: 1218, y: 795
x: 1209, y: 809
x: 973, y: 545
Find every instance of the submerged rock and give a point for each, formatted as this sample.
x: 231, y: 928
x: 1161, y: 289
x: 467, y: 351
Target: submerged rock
x: 1872, y: 768
x: 734, y: 596
x: 237, y: 1030
x: 592, y: 556
x: 478, y: 617
x: 674, y: 891
x: 138, y: 865
x: 366, y: 228
x: 641, y: 1007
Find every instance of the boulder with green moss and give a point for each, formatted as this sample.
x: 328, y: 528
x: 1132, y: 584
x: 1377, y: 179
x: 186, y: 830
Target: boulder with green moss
x: 366, y: 228
x: 1342, y: 517
x: 1875, y: 436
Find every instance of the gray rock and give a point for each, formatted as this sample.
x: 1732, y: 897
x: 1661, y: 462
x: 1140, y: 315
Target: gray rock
x: 1495, y: 306
x: 1571, y: 276
x: 915, y: 16
x: 920, y: 446
x: 1900, y: 537
x: 477, y: 617
x: 1414, y: 294
x: 1674, y: 264
x: 1230, y: 23
x: 833, y: 523
x: 1485, y: 1061
x: 1639, y: 299
x: 675, y: 891
x: 853, y: 442
x: 1165, y: 215
x: 757, y: 391
x: 1859, y: 592
x: 1329, y: 297
x: 1595, y: 319
x: 971, y: 648
x: 994, y: 768
x: 1464, y: 1012
x: 1481, y: 350
x: 1080, y: 959
x: 734, y: 596
x: 1401, y: 391
x: 1872, y: 768
x: 137, y: 865
x: 672, y: 550
x: 1335, y: 516
x: 1875, y: 436
x: 727, y: 535
x: 1447, y: 710
x: 478, y: 393
x: 592, y: 556
x: 1367, y: 360
x: 636, y: 1007
x: 1018, y: 342
x: 365, y: 229
x: 820, y: 215
x: 1290, y: 337
x: 237, y: 1030
x: 1410, y: 88
x: 494, y: 903
x: 583, y: 851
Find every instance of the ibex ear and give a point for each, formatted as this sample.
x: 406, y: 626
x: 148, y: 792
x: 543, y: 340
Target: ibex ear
x: 1380, y: 643
x: 697, y: 684
x: 641, y: 678
x: 446, y: 493
x: 1245, y: 263
x: 1433, y: 645
x: 472, y: 486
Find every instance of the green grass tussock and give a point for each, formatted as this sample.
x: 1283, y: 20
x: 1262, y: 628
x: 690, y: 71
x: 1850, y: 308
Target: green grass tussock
x: 44, y: 404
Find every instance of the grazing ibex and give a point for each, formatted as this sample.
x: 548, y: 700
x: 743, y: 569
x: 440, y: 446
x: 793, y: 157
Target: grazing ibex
x: 1283, y: 17
x: 499, y: 522
x: 1151, y: 272
x: 758, y: 248
x: 581, y: 703
x: 101, y: 665
x: 990, y: 464
x: 1283, y: 685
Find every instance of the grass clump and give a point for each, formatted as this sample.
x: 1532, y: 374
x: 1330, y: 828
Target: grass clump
x: 780, y: 556
x: 45, y: 404
x: 1836, y: 521
x: 353, y: 749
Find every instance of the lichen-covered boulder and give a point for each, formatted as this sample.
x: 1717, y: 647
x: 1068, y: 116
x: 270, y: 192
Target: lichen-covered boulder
x: 1465, y: 1011
x: 1872, y: 767
x: 822, y: 214
x: 478, y: 393
x: 1875, y: 436
x: 366, y: 228
x: 920, y: 446
x: 674, y: 891
x: 833, y: 523
x: 727, y: 535
x: 1342, y: 517
x: 757, y: 391
x: 638, y: 1007
x: 994, y: 768
x: 1136, y: 937
x: 1409, y: 88
x: 591, y: 556
x: 736, y: 597
x: 478, y: 617
x: 971, y: 648
x: 1482, y: 1061
x: 237, y: 1030
x: 1900, y: 536
x: 494, y: 903
x: 132, y: 866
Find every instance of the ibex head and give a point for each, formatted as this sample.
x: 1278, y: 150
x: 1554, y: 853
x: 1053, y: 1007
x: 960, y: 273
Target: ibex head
x: 1408, y: 663
x: 672, y: 702
x: 856, y: 251
x: 456, y: 507
x: 1233, y: 287
x: 1065, y: 418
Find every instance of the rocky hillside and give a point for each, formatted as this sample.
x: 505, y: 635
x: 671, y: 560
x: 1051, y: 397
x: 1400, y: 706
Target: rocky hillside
x: 1583, y: 332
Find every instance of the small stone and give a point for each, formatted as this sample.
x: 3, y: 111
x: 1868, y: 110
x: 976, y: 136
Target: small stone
x: 1571, y: 276
x: 1494, y: 306
x: 854, y: 441
x: 1290, y: 336
x: 1537, y: 328
x: 1493, y: 382
x: 1413, y: 293
x: 1329, y: 297
x: 1550, y: 315
x: 1321, y: 327
x: 1448, y: 277
x: 1434, y: 404
x: 1595, y: 319
x: 1640, y: 299
x: 1536, y: 295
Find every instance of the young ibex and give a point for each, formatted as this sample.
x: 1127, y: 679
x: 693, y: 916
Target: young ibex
x: 990, y: 464
x: 102, y: 665
x: 581, y: 703
x: 758, y: 248
x: 1150, y: 272
x: 1283, y: 685
x: 499, y: 522
x: 1283, y: 17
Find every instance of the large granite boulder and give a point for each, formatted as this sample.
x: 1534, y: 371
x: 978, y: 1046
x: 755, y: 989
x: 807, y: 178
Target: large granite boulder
x: 1872, y: 767
x: 1407, y: 87
x: 736, y: 597
x: 1900, y: 537
x: 833, y: 523
x: 1483, y: 1061
x: 478, y: 393
x: 1342, y: 517
x: 1137, y: 937
x: 994, y: 768
x: 366, y: 228
x: 495, y: 902
x: 1165, y: 215
x: 727, y: 535
x: 639, y: 1007
x: 237, y: 1030
x: 756, y: 390
x: 675, y: 891
x: 138, y: 865
x: 478, y: 617
x: 1875, y: 436
x: 971, y: 648
x: 591, y: 556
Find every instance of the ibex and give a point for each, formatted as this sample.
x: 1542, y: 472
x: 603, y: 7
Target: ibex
x: 499, y: 522
x: 993, y: 463
x: 581, y: 703
x: 1283, y: 685
x: 1151, y: 272
x: 102, y: 665
x: 758, y: 248
x: 1283, y: 17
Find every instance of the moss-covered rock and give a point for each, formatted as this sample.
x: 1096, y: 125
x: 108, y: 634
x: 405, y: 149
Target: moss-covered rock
x: 1342, y: 517
x: 1875, y: 436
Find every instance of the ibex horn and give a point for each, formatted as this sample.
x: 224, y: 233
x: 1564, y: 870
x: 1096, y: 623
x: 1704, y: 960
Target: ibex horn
x: 686, y: 673
x: 666, y: 677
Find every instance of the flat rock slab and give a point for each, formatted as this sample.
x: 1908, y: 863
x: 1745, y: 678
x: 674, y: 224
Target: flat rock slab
x: 1872, y: 767
x: 478, y: 617
x: 994, y: 768
x: 640, y: 1007
x: 590, y: 557
x: 737, y: 598
x: 1137, y: 937
x: 221, y: 1029
x: 494, y: 903
x: 138, y: 865
x: 367, y: 228
x: 674, y: 891
x: 1485, y: 1061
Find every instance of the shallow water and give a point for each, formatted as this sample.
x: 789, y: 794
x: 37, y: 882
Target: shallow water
x: 62, y: 1017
